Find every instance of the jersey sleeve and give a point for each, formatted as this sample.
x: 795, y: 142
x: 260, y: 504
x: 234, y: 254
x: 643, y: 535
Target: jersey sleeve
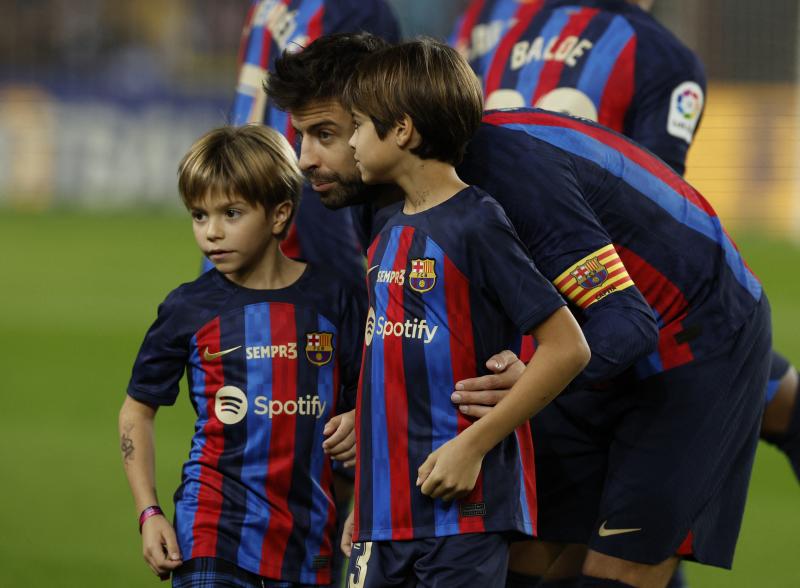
x: 508, y: 273
x: 668, y: 103
x: 162, y: 357
x: 351, y: 342
x: 561, y: 231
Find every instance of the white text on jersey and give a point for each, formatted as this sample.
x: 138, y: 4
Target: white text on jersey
x: 567, y: 50
x: 289, y: 351
x: 416, y: 329
x: 306, y: 406
x: 392, y: 277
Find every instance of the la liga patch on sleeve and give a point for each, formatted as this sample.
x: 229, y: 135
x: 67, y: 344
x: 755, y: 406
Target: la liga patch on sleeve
x: 685, y: 108
x: 593, y: 278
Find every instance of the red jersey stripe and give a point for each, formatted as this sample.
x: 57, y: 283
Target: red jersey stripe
x: 396, y: 402
x: 462, y: 40
x: 618, y: 92
x: 462, y: 357
x: 281, y: 444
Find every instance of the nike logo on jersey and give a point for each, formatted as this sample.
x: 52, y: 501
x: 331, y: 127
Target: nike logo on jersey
x: 374, y: 267
x: 208, y: 356
x: 606, y: 532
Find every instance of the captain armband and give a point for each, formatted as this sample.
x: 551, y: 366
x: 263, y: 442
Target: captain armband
x: 593, y: 278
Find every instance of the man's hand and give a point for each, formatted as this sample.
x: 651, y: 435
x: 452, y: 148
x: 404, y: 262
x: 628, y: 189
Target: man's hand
x: 475, y: 397
x: 450, y: 472
x: 160, y: 546
x: 347, y: 534
x: 341, y: 442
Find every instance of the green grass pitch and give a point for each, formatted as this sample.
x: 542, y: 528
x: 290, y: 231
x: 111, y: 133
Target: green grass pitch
x: 78, y: 293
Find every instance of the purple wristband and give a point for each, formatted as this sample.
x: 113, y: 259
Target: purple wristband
x: 150, y: 511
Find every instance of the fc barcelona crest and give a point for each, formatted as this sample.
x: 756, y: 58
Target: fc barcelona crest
x: 590, y: 274
x: 423, y: 274
x: 319, y: 348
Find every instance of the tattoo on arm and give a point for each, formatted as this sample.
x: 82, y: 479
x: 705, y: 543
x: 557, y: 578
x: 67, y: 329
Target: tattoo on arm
x: 126, y: 445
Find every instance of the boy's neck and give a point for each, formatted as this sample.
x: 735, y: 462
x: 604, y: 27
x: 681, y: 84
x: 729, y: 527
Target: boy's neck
x: 273, y: 272
x: 427, y: 183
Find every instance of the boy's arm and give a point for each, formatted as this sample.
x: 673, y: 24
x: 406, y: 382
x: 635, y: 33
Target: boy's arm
x: 451, y: 470
x: 159, y: 543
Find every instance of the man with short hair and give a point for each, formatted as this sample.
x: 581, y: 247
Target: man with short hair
x: 584, y: 200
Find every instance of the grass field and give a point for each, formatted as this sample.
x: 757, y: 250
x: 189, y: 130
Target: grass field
x: 78, y: 293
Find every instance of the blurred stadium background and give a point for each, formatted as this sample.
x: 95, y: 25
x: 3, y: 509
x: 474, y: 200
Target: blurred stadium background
x: 98, y: 101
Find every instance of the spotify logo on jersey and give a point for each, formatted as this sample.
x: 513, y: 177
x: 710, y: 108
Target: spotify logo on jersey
x: 230, y: 405
x: 370, y: 330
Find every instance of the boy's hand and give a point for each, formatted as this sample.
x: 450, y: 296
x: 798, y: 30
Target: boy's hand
x: 449, y: 472
x: 347, y: 535
x: 475, y: 397
x: 160, y: 546
x: 341, y: 442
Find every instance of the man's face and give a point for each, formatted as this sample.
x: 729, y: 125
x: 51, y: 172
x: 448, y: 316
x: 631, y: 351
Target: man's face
x: 324, y: 128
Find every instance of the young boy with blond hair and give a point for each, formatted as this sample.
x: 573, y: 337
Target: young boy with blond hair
x: 438, y: 497
x: 271, y: 349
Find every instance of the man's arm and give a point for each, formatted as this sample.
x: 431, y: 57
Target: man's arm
x: 544, y: 193
x: 619, y: 330
x: 159, y: 543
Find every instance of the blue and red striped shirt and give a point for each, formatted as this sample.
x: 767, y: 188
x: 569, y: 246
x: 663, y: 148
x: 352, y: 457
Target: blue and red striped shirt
x: 448, y: 287
x: 266, y: 369
x: 604, y: 60
x: 571, y: 187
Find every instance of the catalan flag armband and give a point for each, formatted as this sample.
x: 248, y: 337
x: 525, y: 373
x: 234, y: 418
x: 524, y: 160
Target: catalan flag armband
x: 593, y: 278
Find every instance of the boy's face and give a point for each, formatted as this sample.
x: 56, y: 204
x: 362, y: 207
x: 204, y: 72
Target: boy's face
x: 326, y: 159
x: 232, y: 233
x: 376, y: 158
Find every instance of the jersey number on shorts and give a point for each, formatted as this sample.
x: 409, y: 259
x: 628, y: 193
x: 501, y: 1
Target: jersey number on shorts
x: 358, y: 578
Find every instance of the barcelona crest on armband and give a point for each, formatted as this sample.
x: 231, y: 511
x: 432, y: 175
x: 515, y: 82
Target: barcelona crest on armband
x: 590, y: 274
x: 423, y: 275
x: 319, y: 348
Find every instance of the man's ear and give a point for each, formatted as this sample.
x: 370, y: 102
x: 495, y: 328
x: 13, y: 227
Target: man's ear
x: 280, y: 216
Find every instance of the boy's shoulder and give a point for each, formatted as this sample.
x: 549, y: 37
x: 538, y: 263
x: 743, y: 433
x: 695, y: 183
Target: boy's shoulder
x: 470, y: 205
x: 194, y: 303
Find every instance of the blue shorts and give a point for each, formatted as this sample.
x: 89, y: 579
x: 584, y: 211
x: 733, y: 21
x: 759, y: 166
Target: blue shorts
x: 210, y: 572
x: 657, y: 467
x: 475, y: 559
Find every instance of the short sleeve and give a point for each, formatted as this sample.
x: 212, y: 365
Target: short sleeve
x: 668, y: 106
x: 539, y: 189
x: 507, y: 272
x: 162, y: 357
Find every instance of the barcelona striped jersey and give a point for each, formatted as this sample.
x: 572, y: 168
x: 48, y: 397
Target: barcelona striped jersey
x: 448, y: 288
x: 266, y: 369
x: 583, y: 198
x: 604, y: 60
x: 321, y: 236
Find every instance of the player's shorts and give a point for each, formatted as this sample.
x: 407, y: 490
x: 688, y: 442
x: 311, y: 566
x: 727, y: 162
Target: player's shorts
x: 211, y: 572
x: 474, y: 559
x: 780, y: 365
x: 657, y: 467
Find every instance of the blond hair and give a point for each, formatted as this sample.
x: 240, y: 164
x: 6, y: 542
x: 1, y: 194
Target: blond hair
x: 252, y: 161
